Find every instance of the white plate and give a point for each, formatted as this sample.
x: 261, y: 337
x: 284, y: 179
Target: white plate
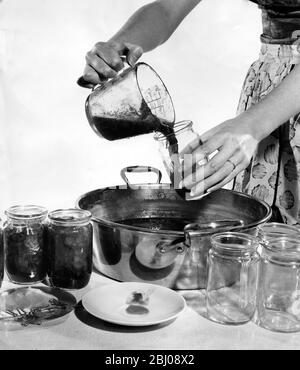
x: 134, y: 304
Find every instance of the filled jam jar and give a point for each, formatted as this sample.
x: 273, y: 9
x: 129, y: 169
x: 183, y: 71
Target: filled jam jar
x: 24, y: 244
x: 69, y: 248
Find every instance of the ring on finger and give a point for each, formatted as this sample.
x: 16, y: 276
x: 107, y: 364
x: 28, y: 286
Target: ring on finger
x: 231, y: 162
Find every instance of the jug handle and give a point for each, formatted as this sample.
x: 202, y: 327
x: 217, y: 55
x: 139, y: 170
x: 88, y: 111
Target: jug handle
x: 139, y: 169
x: 83, y: 83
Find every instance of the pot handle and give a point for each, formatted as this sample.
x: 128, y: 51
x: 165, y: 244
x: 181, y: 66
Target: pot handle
x: 215, y: 227
x: 140, y: 169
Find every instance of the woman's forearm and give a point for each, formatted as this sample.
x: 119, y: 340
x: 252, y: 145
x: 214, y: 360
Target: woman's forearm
x: 277, y: 107
x: 147, y: 28
x: 154, y: 23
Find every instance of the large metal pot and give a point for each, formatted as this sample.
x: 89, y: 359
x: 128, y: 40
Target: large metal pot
x: 150, y: 233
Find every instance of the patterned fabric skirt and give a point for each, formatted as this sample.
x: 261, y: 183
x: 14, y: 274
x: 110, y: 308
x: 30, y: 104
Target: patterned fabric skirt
x: 274, y: 172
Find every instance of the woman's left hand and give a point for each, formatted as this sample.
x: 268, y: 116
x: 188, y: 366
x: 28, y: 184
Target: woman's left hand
x: 234, y: 142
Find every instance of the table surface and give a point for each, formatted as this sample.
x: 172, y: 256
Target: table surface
x: 190, y: 331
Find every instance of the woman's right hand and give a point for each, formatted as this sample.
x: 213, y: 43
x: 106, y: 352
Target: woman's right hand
x: 105, y: 60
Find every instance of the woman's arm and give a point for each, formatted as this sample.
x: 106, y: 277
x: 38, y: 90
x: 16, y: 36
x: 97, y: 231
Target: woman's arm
x: 147, y: 28
x: 154, y: 23
x: 236, y: 140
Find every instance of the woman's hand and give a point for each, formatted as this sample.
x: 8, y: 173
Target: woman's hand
x: 230, y: 146
x: 105, y: 61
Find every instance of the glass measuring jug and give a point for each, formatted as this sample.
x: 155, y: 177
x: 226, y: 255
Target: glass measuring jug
x: 136, y: 102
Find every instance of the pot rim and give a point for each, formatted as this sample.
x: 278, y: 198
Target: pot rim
x: 164, y: 232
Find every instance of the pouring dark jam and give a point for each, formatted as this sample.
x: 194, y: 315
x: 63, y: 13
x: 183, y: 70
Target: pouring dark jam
x: 24, y: 242
x: 69, y: 246
x: 136, y: 102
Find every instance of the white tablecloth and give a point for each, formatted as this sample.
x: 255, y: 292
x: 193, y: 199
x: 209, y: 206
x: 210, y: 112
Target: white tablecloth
x: 190, y: 331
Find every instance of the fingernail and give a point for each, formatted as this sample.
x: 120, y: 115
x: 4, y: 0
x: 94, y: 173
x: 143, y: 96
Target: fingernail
x: 131, y: 62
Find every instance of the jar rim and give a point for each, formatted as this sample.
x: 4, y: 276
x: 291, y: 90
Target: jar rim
x: 70, y: 215
x: 23, y: 212
x: 233, y: 246
x: 276, y: 228
x: 289, y: 246
x: 177, y: 129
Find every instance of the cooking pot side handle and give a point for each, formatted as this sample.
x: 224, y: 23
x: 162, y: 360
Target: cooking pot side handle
x: 192, y: 230
x: 140, y: 169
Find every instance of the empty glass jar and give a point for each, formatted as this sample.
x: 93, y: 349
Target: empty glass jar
x: 170, y: 147
x: 278, y: 305
x: 274, y: 229
x: 24, y: 243
x: 232, y: 278
x: 70, y: 248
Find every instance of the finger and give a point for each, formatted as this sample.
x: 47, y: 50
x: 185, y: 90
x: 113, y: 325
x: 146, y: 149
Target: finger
x: 213, y: 144
x: 109, y: 55
x: 83, y: 83
x: 208, y: 147
x: 191, y: 146
x: 133, y: 53
x: 192, y: 176
x: 218, y: 160
x: 193, y: 170
x: 224, y: 172
x: 100, y: 66
x: 211, y: 167
x: 91, y: 76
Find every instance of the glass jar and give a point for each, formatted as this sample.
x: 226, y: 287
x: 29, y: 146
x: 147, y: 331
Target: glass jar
x: 274, y: 229
x: 70, y: 248
x: 170, y: 147
x: 24, y: 244
x: 232, y: 278
x: 278, y: 305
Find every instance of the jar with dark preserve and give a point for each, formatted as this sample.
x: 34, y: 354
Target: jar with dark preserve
x: 24, y: 244
x: 1, y: 255
x: 70, y: 248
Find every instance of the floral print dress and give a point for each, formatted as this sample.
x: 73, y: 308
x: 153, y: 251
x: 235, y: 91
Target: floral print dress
x: 274, y: 172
